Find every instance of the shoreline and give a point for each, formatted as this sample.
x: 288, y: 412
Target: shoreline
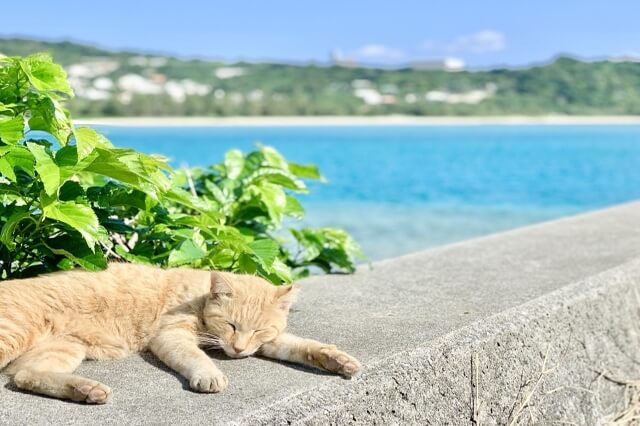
x: 388, y: 120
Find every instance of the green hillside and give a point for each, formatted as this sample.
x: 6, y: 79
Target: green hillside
x: 125, y: 83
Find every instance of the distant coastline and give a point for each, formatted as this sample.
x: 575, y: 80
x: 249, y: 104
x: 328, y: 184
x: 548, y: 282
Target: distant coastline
x: 389, y: 120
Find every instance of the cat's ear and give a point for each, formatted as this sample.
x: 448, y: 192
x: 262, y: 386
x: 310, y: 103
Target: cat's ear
x: 219, y: 286
x: 286, y: 295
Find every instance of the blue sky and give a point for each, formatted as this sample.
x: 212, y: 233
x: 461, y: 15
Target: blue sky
x: 481, y: 32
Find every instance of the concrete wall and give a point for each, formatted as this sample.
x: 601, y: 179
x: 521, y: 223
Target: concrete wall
x: 526, y: 326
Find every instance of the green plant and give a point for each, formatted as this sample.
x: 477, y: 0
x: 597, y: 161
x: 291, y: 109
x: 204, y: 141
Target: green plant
x: 70, y: 198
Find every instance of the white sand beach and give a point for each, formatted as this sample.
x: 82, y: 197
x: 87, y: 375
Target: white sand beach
x: 386, y: 120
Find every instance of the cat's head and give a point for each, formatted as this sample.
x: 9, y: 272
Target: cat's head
x: 245, y: 311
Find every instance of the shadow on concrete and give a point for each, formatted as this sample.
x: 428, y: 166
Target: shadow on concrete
x: 298, y: 367
x: 153, y: 360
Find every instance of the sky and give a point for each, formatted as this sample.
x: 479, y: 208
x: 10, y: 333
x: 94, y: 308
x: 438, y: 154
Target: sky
x: 483, y: 33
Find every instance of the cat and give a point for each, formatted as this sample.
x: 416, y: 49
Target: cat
x: 50, y: 323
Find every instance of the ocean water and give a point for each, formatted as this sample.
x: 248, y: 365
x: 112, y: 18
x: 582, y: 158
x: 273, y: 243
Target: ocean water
x: 399, y: 189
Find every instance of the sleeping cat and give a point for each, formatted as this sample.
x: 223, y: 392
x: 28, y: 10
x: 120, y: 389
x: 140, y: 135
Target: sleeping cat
x: 49, y: 324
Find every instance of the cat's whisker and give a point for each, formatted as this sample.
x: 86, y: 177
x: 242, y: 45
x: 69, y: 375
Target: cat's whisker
x: 211, y: 345
x: 205, y: 335
x: 210, y: 341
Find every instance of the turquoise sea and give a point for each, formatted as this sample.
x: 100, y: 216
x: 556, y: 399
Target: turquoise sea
x: 399, y: 189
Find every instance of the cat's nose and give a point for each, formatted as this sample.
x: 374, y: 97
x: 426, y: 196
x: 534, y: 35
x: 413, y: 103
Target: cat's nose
x: 238, y: 349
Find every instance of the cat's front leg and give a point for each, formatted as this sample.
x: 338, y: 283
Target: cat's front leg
x: 177, y: 346
x: 288, y: 347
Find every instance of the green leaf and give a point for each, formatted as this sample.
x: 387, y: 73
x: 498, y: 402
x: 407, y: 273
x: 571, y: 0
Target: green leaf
x: 198, y: 240
x: 275, y: 176
x: 306, y: 171
x: 45, y: 75
x: 234, y: 163
x: 273, y: 198
x: 187, y: 253
x: 47, y: 169
x: 78, y: 253
x: 6, y: 234
x: 340, y: 238
x: 13, y: 82
x: 87, y: 139
x: 310, y: 243
x: 282, y: 271
x: 7, y: 107
x: 265, y: 250
x: 246, y: 264
x: 79, y: 216
x: 294, y: 208
x: 218, y: 194
x: 6, y: 170
x: 286, y: 180
x: 70, y: 191
x: 16, y: 156
x: 115, y: 195
x: 67, y: 156
x: 273, y: 158
x: 328, y: 247
x: 91, y: 262
x: 185, y: 199
x: 132, y: 257
x: 142, y: 171
x: 106, y: 162
x: 66, y: 264
x: 11, y: 129
x: 48, y: 115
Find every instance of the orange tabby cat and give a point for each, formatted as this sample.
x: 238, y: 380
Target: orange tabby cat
x: 49, y: 324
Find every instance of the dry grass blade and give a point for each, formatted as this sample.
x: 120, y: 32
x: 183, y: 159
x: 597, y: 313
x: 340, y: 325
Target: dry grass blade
x: 527, y: 398
x: 630, y: 413
x: 475, y: 389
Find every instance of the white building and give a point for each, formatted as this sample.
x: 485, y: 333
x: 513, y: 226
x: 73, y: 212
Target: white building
x: 445, y: 64
x: 369, y: 96
x: 135, y: 83
x: 224, y: 73
x: 92, y: 68
x: 471, y: 97
x: 147, y: 61
x: 103, y: 83
x: 179, y: 90
x: 624, y: 58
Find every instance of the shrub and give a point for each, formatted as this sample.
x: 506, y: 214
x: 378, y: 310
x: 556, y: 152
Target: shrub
x: 69, y: 198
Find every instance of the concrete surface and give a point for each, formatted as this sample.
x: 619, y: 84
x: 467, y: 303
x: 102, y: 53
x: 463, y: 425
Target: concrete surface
x: 454, y: 335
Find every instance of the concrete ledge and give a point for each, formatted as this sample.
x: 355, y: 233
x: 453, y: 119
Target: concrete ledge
x: 452, y: 335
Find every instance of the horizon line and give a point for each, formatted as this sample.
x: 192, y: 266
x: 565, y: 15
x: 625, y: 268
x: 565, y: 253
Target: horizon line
x: 308, y: 62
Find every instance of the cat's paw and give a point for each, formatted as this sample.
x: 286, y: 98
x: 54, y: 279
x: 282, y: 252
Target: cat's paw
x: 209, y: 382
x: 91, y: 393
x: 339, y: 362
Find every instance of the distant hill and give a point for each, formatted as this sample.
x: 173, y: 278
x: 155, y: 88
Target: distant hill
x: 109, y: 83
